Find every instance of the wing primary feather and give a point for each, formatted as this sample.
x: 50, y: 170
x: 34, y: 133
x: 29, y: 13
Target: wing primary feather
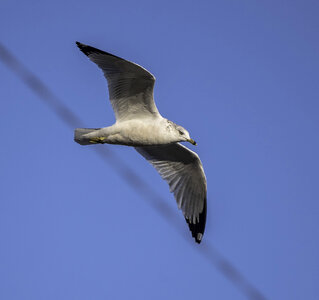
x: 198, y: 228
x: 87, y: 50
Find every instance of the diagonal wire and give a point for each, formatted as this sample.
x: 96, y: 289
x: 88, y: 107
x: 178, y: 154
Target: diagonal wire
x: 135, y: 181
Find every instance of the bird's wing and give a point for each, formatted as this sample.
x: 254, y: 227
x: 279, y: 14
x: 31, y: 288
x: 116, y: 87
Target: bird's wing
x: 130, y: 85
x: 183, y: 171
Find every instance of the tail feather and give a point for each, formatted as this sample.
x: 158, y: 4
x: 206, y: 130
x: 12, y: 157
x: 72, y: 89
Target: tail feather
x: 79, y: 135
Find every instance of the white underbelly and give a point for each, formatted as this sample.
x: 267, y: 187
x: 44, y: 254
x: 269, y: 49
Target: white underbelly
x: 139, y: 133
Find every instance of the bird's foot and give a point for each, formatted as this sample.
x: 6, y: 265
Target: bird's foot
x: 97, y: 140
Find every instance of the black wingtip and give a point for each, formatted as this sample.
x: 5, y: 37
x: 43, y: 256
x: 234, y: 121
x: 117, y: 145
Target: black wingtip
x: 87, y: 50
x: 198, y: 229
x: 79, y: 44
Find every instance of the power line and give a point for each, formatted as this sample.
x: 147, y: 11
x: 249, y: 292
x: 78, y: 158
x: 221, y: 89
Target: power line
x: 135, y: 181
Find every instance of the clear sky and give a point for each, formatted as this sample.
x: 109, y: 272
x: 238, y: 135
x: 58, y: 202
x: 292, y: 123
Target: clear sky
x: 240, y: 76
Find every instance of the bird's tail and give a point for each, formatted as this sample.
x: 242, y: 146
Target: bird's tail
x: 80, y: 135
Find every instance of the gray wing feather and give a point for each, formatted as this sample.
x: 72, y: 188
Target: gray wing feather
x: 130, y: 85
x: 183, y: 171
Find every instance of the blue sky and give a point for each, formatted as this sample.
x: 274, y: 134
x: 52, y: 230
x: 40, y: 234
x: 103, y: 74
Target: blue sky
x: 240, y: 76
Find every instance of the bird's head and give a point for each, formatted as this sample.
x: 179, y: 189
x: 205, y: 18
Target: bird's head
x: 183, y: 135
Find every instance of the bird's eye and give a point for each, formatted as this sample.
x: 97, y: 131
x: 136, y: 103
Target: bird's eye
x: 181, y: 132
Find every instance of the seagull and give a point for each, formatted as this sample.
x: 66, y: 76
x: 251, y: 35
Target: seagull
x: 140, y: 125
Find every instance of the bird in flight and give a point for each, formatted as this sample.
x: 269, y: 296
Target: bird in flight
x: 140, y: 125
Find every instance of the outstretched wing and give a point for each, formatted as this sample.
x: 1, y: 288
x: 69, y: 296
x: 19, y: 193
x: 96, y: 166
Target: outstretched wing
x: 130, y: 85
x: 183, y: 171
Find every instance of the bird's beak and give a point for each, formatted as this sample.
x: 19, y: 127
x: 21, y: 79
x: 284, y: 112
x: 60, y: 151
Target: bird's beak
x: 192, y: 142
